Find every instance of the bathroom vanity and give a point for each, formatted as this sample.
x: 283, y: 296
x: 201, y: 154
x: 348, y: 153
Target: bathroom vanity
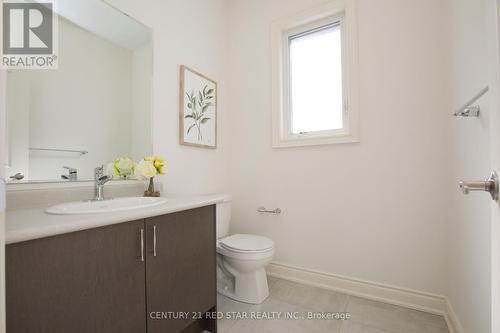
x: 151, y: 268
x: 104, y: 273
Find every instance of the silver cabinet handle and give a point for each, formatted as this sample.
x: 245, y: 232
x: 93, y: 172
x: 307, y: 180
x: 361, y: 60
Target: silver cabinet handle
x: 155, y: 239
x: 142, y: 244
x: 489, y: 185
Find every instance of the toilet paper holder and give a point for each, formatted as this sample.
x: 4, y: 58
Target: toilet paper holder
x: 276, y: 211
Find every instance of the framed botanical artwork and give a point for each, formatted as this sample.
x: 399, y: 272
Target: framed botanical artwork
x: 198, y: 109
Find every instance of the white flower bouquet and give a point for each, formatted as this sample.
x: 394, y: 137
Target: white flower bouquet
x: 147, y: 168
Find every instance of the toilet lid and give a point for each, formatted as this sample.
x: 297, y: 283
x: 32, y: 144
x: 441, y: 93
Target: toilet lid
x: 247, y: 243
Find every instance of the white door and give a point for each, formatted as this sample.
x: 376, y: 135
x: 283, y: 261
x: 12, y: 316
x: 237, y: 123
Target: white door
x: 2, y: 198
x: 2, y: 188
x: 495, y: 160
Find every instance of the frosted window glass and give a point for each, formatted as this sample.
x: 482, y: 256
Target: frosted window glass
x: 316, y: 80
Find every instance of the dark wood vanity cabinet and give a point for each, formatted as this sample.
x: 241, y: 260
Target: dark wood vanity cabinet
x: 103, y: 281
x: 180, y: 272
x: 88, y: 281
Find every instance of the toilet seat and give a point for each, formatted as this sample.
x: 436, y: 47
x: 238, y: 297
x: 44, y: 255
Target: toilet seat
x: 250, y: 244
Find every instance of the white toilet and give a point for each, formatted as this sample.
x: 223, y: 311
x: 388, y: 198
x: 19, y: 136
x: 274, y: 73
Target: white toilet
x: 241, y: 261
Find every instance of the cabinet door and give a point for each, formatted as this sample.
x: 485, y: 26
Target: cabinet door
x: 91, y: 281
x: 181, y: 276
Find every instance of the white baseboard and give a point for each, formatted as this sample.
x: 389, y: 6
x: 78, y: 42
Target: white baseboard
x: 452, y: 320
x: 408, y: 298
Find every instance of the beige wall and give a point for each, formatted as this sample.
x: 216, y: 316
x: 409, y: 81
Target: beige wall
x: 469, y: 246
x: 374, y: 210
x: 193, y: 33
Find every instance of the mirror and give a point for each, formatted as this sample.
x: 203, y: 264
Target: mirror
x: 94, y: 108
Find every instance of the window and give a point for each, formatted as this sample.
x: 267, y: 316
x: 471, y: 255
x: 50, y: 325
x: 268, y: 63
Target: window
x: 315, y: 84
x: 313, y: 81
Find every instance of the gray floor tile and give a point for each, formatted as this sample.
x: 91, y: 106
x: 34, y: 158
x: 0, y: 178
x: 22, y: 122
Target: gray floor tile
x: 307, y: 297
x: 224, y: 325
x: 288, y: 297
x: 353, y: 327
x: 225, y: 304
x: 271, y: 280
x: 391, y: 318
x: 271, y: 325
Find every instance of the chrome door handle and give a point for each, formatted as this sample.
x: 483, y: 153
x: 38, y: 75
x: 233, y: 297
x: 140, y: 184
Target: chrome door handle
x: 142, y: 244
x: 155, y: 240
x: 489, y: 185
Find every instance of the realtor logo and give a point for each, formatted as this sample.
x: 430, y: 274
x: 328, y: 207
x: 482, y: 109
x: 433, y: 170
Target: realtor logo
x: 29, y: 35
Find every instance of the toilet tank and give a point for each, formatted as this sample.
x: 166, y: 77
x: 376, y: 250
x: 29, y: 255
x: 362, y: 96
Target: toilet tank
x: 223, y: 217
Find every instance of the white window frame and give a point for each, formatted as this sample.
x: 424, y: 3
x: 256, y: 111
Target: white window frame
x: 342, y: 11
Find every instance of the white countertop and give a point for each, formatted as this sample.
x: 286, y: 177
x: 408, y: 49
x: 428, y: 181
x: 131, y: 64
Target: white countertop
x: 27, y: 224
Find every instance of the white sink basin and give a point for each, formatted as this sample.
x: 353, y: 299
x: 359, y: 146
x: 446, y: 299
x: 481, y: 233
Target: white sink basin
x: 106, y: 206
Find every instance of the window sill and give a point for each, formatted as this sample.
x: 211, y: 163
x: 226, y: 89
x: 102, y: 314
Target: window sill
x: 314, y: 141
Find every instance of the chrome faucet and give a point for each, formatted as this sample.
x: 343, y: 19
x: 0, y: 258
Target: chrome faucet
x: 72, y: 175
x: 100, y: 179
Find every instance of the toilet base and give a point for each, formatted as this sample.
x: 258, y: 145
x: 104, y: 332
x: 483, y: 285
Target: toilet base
x: 249, y: 288
x: 244, y: 281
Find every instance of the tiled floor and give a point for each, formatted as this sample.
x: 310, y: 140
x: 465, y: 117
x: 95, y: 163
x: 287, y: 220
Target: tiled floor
x: 366, y: 316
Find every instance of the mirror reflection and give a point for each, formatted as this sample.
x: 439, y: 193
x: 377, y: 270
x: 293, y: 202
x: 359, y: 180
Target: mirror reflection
x: 91, y: 110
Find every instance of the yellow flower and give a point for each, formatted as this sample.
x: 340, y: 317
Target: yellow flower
x: 157, y: 162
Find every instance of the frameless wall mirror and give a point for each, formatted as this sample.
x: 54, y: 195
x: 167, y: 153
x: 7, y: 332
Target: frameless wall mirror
x: 94, y: 108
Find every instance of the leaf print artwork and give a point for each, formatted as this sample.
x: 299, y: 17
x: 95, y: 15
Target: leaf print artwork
x: 199, y: 104
x: 198, y: 109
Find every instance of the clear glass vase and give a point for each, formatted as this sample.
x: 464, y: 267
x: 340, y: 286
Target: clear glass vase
x: 151, y: 187
x: 150, y: 192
